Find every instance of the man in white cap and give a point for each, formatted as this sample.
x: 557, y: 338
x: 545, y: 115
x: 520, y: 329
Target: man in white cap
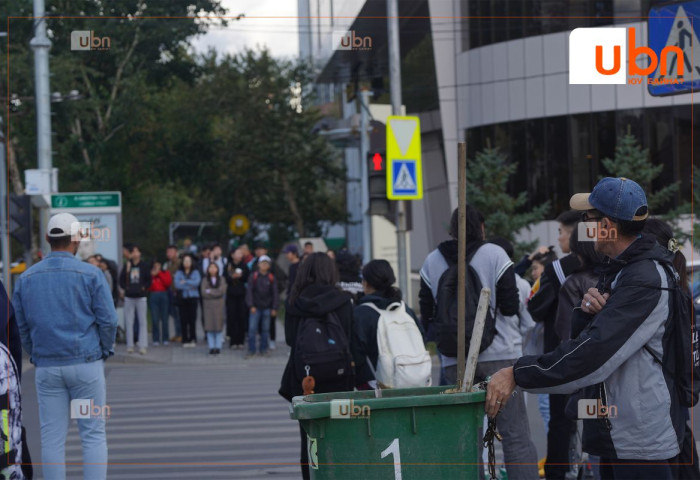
x: 68, y: 324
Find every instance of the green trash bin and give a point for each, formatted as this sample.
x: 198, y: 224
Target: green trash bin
x: 413, y: 433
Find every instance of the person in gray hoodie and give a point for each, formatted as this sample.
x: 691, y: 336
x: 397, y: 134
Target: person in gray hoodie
x: 495, y: 270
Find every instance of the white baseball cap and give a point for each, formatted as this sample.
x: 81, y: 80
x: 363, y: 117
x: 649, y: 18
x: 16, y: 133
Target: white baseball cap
x: 264, y: 258
x: 62, y: 225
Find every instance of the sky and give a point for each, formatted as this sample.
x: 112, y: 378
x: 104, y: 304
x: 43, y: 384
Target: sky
x: 278, y: 34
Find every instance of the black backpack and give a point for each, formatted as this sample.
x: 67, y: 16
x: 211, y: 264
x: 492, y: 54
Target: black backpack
x: 322, y: 350
x: 681, y: 360
x: 446, y: 315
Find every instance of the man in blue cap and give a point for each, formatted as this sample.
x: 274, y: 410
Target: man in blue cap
x: 627, y: 405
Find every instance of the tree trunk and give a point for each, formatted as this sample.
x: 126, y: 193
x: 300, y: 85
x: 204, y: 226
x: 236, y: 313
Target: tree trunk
x: 298, y: 219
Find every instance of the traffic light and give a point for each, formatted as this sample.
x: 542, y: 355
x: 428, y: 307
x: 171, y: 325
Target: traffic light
x: 378, y: 203
x: 20, y: 219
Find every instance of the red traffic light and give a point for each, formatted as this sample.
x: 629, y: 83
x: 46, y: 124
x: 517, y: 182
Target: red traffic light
x: 377, y: 162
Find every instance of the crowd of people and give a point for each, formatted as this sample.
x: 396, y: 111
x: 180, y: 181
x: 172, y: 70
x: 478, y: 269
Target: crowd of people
x: 599, y: 323
x: 236, y: 296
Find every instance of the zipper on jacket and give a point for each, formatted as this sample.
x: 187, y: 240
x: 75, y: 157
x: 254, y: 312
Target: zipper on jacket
x: 604, y: 401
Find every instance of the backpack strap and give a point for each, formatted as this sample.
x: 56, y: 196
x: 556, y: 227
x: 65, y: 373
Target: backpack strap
x: 372, y: 306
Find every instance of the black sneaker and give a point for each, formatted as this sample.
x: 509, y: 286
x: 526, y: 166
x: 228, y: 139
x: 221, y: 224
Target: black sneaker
x: 212, y: 351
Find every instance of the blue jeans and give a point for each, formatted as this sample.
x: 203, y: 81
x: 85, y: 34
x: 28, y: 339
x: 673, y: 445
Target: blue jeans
x: 159, y: 315
x: 255, y: 319
x: 215, y: 339
x: 56, y: 387
x: 543, y: 405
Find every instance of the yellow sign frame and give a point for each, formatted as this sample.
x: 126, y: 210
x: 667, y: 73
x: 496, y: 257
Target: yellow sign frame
x: 408, y: 156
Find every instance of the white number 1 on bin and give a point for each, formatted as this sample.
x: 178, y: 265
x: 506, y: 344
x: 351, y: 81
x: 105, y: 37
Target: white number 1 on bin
x: 393, y: 449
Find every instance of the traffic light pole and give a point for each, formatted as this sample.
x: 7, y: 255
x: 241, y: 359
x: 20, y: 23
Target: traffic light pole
x: 392, y: 9
x: 364, y: 149
x: 41, y: 44
x: 4, y: 224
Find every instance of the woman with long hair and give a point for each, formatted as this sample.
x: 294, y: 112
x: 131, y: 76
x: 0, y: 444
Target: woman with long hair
x: 314, y: 295
x: 187, y: 280
x: 213, y: 290
x: 236, y: 274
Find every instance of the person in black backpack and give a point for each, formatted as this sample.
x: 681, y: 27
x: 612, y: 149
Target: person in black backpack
x: 316, y: 301
x: 378, y: 284
x: 491, y: 266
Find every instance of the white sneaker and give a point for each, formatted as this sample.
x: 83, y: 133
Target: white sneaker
x: 142, y: 351
x: 130, y: 350
x: 165, y: 343
x: 156, y: 344
x: 272, y: 345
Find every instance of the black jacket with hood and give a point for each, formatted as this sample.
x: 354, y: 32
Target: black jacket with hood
x: 315, y: 301
x: 608, y: 362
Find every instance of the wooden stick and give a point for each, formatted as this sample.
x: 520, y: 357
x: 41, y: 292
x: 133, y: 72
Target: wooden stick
x: 461, y: 258
x: 475, y: 344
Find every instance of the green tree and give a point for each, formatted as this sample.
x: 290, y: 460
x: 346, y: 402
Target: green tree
x: 632, y: 161
x: 505, y: 215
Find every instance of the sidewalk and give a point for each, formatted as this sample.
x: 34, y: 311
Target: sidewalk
x: 176, y: 353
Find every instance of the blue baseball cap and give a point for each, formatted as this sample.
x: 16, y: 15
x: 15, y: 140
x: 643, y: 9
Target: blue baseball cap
x: 291, y: 248
x: 617, y: 198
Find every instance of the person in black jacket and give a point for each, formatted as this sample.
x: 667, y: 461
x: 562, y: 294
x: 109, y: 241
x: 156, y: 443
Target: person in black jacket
x: 135, y: 280
x: 314, y: 295
x: 236, y: 274
x: 377, y: 283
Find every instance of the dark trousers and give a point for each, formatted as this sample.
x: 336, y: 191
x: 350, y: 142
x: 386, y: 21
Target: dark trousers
x: 304, y: 459
x: 236, y: 319
x: 685, y: 465
x: 188, y: 319
x: 611, y: 469
x: 558, y: 438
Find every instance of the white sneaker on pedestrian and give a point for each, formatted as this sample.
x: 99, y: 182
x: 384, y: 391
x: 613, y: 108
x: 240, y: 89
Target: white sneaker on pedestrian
x: 165, y: 343
x: 156, y: 344
x: 272, y: 345
x: 142, y: 351
x: 130, y: 350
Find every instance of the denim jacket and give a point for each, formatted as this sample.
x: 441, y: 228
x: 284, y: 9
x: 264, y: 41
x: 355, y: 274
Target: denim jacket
x: 188, y: 284
x: 64, y: 311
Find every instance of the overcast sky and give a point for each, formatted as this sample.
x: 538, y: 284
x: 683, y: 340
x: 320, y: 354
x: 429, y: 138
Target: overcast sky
x: 278, y: 34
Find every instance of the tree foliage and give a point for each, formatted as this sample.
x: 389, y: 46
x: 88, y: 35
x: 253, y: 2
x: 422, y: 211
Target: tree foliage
x: 632, y: 161
x: 184, y: 137
x: 505, y: 215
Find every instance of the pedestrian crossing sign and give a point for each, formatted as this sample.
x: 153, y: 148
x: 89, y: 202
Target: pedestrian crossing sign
x: 404, y: 175
x: 675, y: 25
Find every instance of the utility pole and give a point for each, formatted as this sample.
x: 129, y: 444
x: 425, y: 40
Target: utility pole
x: 41, y: 45
x: 364, y: 150
x: 392, y: 8
x: 4, y: 224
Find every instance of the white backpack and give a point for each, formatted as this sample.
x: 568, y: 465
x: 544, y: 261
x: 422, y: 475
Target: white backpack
x: 403, y: 361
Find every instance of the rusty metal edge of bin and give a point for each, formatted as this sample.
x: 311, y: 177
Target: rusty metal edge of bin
x: 317, y: 406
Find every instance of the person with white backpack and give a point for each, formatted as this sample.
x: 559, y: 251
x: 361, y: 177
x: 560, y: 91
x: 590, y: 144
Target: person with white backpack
x: 388, y: 340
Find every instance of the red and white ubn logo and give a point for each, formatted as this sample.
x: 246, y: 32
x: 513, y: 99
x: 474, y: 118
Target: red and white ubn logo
x: 598, y: 56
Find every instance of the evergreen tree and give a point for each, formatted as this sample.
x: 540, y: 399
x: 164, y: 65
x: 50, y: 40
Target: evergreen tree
x: 505, y: 215
x: 631, y: 161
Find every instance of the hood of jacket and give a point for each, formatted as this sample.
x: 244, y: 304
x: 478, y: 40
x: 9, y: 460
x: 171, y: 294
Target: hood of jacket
x: 643, y: 248
x: 448, y: 249
x: 318, y: 300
